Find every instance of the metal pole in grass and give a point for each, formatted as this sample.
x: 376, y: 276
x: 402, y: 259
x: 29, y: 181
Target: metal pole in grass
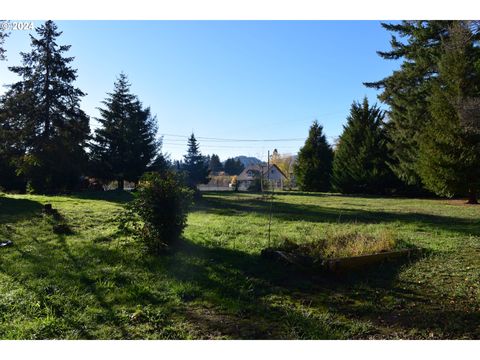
x: 268, y: 168
x: 270, y: 218
x: 271, y: 200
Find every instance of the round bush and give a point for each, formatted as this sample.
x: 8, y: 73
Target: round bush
x: 159, y: 210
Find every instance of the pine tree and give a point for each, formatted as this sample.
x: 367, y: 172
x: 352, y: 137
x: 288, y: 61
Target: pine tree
x: 407, y: 90
x: 361, y: 158
x: 195, y: 164
x: 3, y: 36
x: 233, y: 166
x: 449, y: 155
x: 160, y: 164
x: 16, y: 110
x: 314, y: 162
x: 214, y: 164
x: 125, y: 144
x: 44, y: 109
x: 7, y: 171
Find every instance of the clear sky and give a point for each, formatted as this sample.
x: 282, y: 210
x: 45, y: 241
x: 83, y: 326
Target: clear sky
x: 226, y: 79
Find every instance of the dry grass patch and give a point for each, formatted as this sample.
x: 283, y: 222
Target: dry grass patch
x: 337, y: 244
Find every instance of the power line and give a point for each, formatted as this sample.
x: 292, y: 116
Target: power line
x: 234, y: 140
x: 208, y: 142
x: 220, y: 146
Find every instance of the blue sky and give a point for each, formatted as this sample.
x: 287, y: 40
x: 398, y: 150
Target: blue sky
x: 227, y: 79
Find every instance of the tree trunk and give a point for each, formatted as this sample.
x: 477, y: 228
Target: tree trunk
x: 120, y: 184
x: 472, y: 197
x: 46, y: 90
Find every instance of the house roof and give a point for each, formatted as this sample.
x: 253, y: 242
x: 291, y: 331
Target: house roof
x: 257, y: 169
x: 279, y: 170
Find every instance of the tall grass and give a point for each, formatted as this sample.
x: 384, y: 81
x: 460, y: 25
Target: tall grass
x: 343, y: 243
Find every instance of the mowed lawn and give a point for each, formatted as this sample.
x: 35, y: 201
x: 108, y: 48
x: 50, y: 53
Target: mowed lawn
x: 85, y: 280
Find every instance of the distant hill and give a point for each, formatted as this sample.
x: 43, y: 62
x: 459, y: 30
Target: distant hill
x: 248, y: 160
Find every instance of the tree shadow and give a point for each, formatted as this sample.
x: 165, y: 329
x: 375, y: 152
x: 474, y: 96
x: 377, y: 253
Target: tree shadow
x: 79, y: 273
x: 289, y: 212
x: 13, y: 210
x: 242, y: 281
x: 229, y: 293
x: 113, y: 196
x: 303, y: 193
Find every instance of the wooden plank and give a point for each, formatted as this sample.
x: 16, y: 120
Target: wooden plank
x: 363, y: 261
x: 338, y: 265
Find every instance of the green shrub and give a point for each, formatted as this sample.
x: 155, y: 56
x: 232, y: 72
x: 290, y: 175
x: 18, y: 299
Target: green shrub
x: 158, y: 213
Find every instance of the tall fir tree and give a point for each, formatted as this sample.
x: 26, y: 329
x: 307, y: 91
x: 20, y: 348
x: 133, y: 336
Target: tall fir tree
x: 215, y: 164
x: 449, y: 154
x: 8, y: 177
x: 3, y: 36
x: 16, y: 110
x: 43, y: 108
x: 233, y: 166
x: 406, y: 91
x: 195, y: 164
x: 361, y: 161
x: 161, y: 164
x: 125, y: 144
x: 313, y: 168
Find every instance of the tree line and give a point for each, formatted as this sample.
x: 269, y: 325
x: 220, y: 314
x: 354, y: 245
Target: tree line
x: 428, y: 139
x: 47, y: 146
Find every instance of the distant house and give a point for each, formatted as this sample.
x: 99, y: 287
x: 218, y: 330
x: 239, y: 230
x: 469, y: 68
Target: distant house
x: 252, y: 175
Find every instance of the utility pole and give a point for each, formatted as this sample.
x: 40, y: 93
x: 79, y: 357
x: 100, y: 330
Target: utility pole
x: 268, y: 169
x: 271, y: 200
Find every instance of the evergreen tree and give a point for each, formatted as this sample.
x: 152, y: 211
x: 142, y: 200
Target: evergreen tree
x: 449, y: 156
x: 314, y: 162
x: 43, y: 108
x: 160, y: 164
x: 361, y: 158
x: 233, y: 166
x: 3, y: 36
x: 407, y: 90
x: 15, y: 111
x: 215, y: 165
x: 125, y: 144
x: 178, y: 165
x: 195, y: 164
x: 8, y: 154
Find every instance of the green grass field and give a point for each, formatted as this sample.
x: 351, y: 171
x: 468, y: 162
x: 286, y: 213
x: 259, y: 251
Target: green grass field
x: 88, y: 281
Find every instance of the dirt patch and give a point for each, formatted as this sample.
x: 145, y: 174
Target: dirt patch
x: 461, y: 202
x: 213, y: 323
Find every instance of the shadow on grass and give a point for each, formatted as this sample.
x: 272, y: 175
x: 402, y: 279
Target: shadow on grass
x: 12, y: 209
x: 220, y: 292
x: 373, y: 295
x: 324, y: 194
x: 115, y: 196
x: 52, y: 284
x: 295, y: 212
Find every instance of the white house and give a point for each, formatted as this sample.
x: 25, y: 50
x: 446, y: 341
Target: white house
x: 253, y: 174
